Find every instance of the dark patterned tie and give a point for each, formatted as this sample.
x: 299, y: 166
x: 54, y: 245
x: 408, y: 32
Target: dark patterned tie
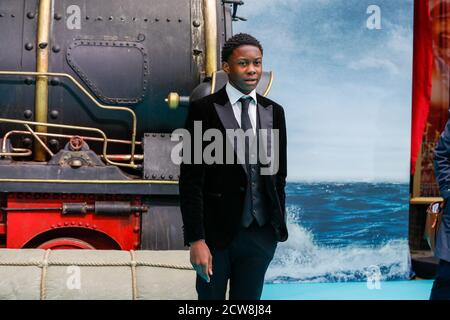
x: 246, y: 125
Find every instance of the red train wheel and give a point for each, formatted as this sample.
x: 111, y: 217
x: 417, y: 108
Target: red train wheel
x: 65, y: 243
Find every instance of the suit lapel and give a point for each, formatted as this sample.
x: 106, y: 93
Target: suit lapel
x: 228, y: 120
x: 226, y: 115
x: 265, y: 122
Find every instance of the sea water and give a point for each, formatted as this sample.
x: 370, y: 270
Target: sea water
x: 344, y: 235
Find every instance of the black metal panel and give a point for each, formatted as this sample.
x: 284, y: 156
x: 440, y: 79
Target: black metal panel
x: 162, y: 28
x: 95, y: 61
x: 162, y: 226
x: 157, y: 157
x: 17, y: 53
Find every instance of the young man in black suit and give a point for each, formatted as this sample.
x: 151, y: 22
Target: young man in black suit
x: 233, y: 213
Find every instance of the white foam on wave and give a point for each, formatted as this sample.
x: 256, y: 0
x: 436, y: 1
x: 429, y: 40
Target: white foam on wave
x: 300, y: 259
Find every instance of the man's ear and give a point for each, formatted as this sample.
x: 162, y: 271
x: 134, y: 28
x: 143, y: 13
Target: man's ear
x: 226, y: 67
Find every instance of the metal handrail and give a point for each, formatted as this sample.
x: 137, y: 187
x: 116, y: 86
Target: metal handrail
x: 98, y: 104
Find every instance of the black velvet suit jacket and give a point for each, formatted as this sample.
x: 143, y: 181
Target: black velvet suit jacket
x: 212, y: 195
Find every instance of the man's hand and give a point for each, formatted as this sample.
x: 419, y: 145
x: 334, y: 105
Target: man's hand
x: 201, y: 259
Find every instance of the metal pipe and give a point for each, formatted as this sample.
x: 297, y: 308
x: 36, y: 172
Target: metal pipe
x: 210, y: 14
x: 124, y: 157
x: 269, y: 86
x: 114, y: 157
x: 79, y: 86
x: 39, y: 140
x: 42, y: 56
x: 105, y: 142
x: 68, y: 136
x: 18, y: 152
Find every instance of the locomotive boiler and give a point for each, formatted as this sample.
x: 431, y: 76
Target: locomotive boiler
x: 90, y: 91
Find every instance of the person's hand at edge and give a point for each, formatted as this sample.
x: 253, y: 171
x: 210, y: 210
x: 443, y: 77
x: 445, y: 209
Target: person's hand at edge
x: 201, y: 259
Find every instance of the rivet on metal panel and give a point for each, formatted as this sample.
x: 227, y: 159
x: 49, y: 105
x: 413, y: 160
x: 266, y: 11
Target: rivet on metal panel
x: 55, y: 82
x: 54, y: 143
x: 56, y: 48
x: 27, y: 141
x: 29, y: 46
x: 31, y: 15
x: 28, y: 114
x: 54, y: 114
x: 57, y: 16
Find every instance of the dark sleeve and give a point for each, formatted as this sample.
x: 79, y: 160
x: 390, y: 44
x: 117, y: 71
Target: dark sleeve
x: 442, y: 162
x: 191, y: 186
x: 282, y: 169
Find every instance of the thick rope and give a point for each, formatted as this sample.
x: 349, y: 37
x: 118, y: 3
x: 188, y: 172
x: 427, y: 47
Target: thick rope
x: 96, y: 264
x: 133, y: 274
x: 44, y: 264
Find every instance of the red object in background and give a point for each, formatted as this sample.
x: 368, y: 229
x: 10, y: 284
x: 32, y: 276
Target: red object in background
x: 54, y: 230
x: 422, y: 71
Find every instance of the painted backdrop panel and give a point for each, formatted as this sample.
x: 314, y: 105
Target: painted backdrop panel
x: 343, y: 74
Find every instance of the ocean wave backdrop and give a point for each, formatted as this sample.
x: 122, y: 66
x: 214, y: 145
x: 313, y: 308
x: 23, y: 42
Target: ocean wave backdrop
x: 338, y: 231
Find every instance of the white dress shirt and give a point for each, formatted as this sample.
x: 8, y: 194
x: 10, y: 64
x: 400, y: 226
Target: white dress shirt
x: 234, y: 95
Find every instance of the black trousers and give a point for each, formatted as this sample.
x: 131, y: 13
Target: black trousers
x: 441, y: 285
x: 244, y: 262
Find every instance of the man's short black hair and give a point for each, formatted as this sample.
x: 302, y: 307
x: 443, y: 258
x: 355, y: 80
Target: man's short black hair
x: 238, y: 40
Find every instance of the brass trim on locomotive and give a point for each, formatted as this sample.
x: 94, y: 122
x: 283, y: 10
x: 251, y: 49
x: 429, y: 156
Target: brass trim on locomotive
x: 53, y: 74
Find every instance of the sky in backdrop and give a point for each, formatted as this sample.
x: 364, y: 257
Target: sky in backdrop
x: 345, y: 88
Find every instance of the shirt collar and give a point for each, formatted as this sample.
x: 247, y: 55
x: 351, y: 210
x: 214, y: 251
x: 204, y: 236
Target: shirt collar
x: 234, y: 94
